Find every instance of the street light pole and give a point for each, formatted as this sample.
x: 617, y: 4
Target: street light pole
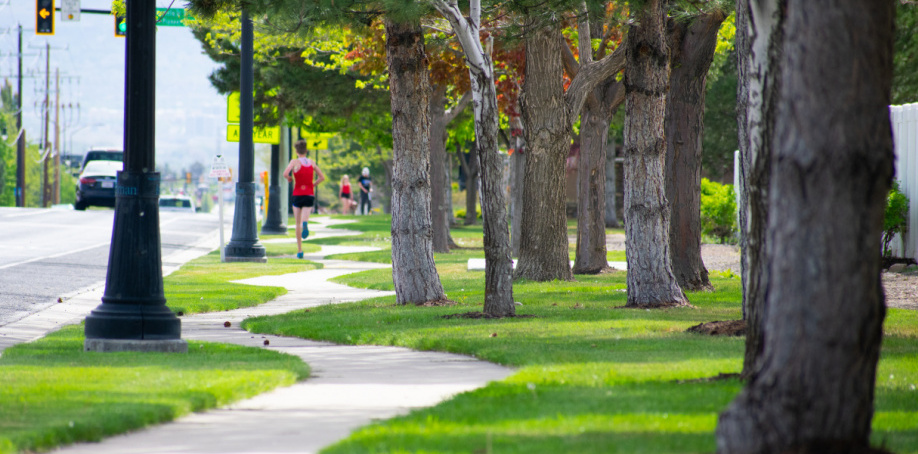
x: 244, y: 245
x: 133, y: 315
x: 273, y: 221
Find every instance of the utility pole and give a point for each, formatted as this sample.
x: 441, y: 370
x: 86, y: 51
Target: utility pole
x: 20, y: 144
x: 56, y: 195
x: 45, y: 186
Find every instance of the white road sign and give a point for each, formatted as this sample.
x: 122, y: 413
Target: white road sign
x: 70, y: 10
x: 219, y: 169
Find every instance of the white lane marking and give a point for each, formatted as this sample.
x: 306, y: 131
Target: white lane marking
x: 28, y: 213
x: 53, y: 256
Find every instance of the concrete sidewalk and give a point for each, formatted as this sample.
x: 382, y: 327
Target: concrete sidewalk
x: 350, y: 386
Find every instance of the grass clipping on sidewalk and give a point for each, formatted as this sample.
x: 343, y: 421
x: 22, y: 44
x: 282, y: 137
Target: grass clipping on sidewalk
x: 592, y: 377
x: 54, y: 393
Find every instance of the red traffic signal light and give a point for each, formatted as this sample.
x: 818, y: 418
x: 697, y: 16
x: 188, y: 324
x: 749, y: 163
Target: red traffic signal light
x: 44, y: 17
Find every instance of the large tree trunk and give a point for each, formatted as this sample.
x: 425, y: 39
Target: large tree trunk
x: 591, y: 181
x: 593, y: 166
x: 650, y: 280
x: 498, y: 266
x: 692, y: 46
x: 813, y: 389
x: 517, y: 183
x: 611, y: 180
x: 413, y: 271
x: 471, y: 167
x: 759, y: 50
x: 544, y: 246
x: 438, y: 177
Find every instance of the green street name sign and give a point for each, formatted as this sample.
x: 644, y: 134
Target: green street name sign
x: 172, y: 17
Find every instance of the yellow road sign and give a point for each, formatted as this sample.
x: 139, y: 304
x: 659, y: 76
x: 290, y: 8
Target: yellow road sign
x: 259, y: 135
x: 317, y: 140
x: 232, y: 107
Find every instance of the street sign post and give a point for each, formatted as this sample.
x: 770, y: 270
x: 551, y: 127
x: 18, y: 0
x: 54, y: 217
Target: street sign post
x: 44, y: 17
x: 70, y: 10
x: 220, y: 170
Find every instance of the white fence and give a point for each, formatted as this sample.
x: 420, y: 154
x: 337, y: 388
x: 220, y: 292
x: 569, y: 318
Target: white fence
x: 905, y: 137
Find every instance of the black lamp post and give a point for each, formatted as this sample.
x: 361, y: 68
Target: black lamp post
x: 244, y: 245
x: 273, y: 221
x: 133, y: 315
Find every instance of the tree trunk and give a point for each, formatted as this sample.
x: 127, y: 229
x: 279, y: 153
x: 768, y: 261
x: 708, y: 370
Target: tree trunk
x: 759, y: 42
x: 544, y: 246
x: 517, y: 183
x: 471, y: 167
x: 692, y: 45
x: 498, y: 267
x: 611, y: 180
x: 813, y: 389
x: 591, y: 181
x: 650, y: 280
x: 413, y: 271
x: 438, y: 177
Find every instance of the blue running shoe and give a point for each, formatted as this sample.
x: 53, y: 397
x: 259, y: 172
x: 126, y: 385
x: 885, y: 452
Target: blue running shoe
x: 305, y: 231
x: 299, y: 255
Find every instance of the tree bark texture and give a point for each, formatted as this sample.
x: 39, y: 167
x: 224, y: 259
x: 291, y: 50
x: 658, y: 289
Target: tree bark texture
x: 471, y: 168
x: 517, y: 183
x: 413, y: 271
x: 832, y: 160
x: 650, y: 280
x: 498, y: 266
x: 591, y: 183
x: 692, y: 45
x: 611, y: 180
x: 438, y: 176
x: 544, y: 246
x: 758, y: 64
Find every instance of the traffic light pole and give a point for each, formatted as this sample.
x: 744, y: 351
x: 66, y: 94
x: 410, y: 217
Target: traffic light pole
x: 244, y: 245
x: 133, y: 315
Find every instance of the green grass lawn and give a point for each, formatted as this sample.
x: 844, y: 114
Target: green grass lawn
x: 591, y: 377
x: 54, y: 393
x: 204, y: 284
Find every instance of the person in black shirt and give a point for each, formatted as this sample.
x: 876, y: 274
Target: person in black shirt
x: 365, y: 189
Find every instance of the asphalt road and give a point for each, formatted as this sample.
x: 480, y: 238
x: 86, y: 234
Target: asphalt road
x: 48, y: 253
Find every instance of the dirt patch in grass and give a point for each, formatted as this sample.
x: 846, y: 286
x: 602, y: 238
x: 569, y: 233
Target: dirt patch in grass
x: 716, y: 378
x: 483, y: 315
x: 437, y: 303
x: 720, y: 328
x: 668, y: 305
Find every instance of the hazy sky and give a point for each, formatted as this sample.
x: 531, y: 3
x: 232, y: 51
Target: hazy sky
x: 190, y: 114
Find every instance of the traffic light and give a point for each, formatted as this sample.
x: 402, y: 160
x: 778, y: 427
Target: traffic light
x: 187, y: 177
x: 120, y: 26
x: 44, y: 17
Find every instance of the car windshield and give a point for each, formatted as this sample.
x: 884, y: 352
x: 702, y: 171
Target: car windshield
x: 174, y: 202
x: 99, y: 168
x: 104, y: 156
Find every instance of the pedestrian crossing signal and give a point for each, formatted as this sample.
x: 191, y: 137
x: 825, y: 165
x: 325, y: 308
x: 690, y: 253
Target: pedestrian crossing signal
x: 120, y: 26
x: 44, y: 17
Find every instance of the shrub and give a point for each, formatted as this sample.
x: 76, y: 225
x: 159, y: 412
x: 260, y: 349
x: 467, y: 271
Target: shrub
x: 718, y: 210
x: 895, y: 220
x: 460, y: 213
